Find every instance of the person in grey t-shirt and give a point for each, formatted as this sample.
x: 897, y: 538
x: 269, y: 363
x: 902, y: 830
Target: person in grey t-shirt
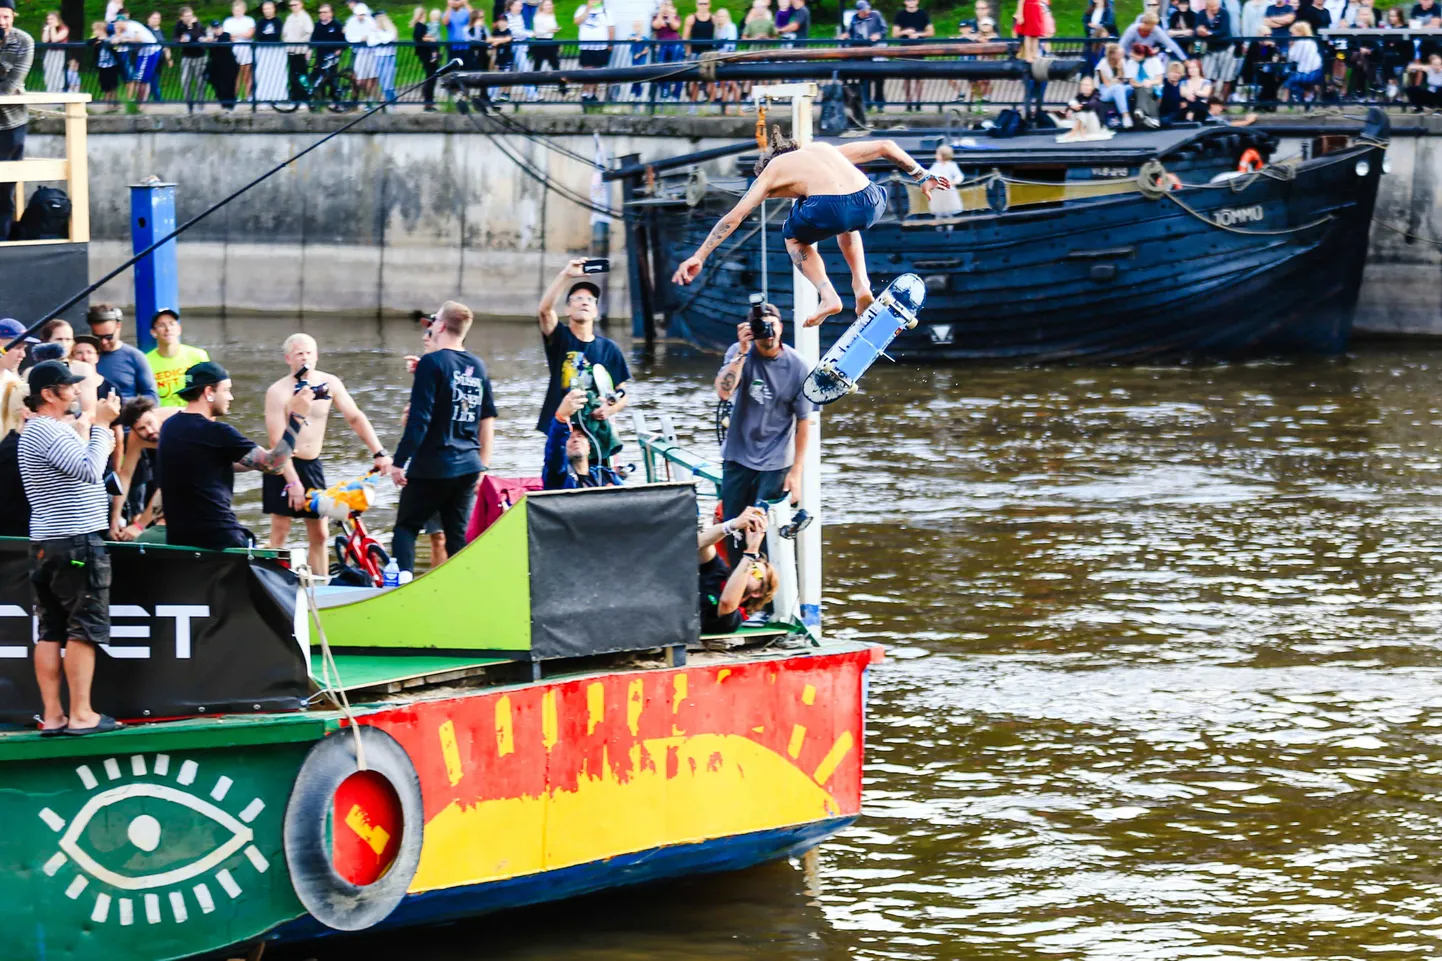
x: 766, y: 441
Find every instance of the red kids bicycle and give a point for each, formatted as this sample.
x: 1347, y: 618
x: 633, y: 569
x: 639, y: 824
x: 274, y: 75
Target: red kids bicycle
x: 360, y: 559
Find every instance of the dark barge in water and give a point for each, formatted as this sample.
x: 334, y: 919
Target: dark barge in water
x: 1150, y: 245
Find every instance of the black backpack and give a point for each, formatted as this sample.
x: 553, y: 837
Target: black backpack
x: 46, y: 217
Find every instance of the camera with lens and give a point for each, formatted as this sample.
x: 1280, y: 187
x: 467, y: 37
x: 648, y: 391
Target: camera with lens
x: 760, y: 317
x: 321, y: 391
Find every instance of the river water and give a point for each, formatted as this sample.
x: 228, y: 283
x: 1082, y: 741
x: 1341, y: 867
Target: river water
x: 1162, y: 675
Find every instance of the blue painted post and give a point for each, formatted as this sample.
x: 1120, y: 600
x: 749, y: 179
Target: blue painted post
x: 157, y: 275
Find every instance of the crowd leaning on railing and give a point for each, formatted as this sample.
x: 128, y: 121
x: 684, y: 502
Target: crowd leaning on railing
x: 289, y: 53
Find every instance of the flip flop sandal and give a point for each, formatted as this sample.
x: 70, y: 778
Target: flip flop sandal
x: 50, y: 731
x: 107, y: 723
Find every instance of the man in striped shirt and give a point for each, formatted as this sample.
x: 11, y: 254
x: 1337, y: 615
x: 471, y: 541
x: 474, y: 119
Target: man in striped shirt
x: 64, y: 478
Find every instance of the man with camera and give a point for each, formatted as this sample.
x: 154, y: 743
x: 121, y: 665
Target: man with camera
x: 450, y: 426
x: 766, y: 440
x: 573, y: 348
x: 283, y: 495
x: 572, y: 455
x: 64, y: 478
x: 198, y: 456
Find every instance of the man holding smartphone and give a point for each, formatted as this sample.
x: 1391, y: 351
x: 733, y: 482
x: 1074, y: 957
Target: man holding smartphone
x: 573, y: 348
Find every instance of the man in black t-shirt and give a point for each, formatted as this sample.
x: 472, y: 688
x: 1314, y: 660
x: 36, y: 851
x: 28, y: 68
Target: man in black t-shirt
x: 912, y: 24
x: 198, y: 456
x: 726, y: 593
x: 574, y: 347
x: 447, y: 440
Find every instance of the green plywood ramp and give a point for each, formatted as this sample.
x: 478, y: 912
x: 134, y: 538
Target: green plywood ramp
x: 479, y: 600
x: 361, y: 671
x: 191, y: 734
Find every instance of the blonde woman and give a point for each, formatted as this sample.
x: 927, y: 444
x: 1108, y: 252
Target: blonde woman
x: 1111, y: 80
x: 1306, y: 62
x: 54, y: 31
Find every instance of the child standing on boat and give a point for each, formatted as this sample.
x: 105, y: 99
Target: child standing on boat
x: 833, y: 199
x: 946, y: 201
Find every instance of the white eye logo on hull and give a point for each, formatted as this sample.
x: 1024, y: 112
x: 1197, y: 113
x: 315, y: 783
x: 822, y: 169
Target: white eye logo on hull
x: 147, y: 831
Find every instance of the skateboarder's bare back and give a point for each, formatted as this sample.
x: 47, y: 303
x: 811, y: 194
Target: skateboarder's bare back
x: 834, y: 199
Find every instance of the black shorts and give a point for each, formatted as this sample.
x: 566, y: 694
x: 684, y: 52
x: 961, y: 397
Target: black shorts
x: 272, y: 488
x: 595, y: 58
x: 70, y: 577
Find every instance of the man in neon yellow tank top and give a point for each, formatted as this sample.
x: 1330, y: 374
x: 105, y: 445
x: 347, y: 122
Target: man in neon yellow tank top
x: 171, y: 359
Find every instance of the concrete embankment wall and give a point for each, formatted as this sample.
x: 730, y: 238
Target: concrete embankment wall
x: 413, y: 209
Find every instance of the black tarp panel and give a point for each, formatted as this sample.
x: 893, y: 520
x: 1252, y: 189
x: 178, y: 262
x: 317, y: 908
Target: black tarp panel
x: 612, y: 569
x: 35, y: 280
x: 192, y: 632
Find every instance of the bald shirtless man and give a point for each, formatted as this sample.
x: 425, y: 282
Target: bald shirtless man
x: 834, y: 199
x: 283, y: 494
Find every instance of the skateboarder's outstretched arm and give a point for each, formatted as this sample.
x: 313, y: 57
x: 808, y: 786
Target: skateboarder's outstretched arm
x: 691, y: 266
x: 865, y: 151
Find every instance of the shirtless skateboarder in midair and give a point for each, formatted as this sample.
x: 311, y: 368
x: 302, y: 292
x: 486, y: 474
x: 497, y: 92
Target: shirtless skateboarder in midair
x: 835, y: 199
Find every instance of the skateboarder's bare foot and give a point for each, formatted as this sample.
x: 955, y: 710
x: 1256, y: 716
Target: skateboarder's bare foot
x: 830, y: 304
x: 864, y: 299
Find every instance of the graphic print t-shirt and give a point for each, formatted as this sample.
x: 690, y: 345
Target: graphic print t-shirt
x: 170, y: 372
x: 449, y: 399
x: 568, y: 357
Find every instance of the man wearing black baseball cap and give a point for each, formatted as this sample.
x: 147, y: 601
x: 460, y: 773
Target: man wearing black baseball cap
x: 574, y: 347
x: 64, y: 480
x: 198, y: 456
x: 17, y: 52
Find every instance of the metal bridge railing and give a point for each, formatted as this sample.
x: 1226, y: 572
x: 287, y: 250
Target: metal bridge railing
x: 1363, y: 67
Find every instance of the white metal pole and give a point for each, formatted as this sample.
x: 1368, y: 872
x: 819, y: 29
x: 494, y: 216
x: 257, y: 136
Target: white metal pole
x: 808, y: 344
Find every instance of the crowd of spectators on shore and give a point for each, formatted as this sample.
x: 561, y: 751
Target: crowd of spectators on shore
x: 279, y: 52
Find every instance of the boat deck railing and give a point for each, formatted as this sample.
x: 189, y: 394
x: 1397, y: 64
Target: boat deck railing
x: 71, y: 169
x: 666, y: 460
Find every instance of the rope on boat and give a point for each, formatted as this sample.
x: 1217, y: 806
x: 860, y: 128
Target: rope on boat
x: 1410, y: 236
x: 1238, y: 230
x: 328, y: 669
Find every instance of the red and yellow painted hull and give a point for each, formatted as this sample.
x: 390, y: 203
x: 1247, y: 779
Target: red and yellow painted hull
x: 561, y: 787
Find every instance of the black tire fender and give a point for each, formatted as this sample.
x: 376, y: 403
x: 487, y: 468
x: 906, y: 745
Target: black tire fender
x: 331, y: 899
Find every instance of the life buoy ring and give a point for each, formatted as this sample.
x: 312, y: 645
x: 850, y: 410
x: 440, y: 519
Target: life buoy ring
x: 350, y: 868
x: 1250, y: 162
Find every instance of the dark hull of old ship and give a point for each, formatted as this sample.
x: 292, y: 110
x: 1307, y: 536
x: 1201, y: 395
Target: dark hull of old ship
x: 1121, y: 278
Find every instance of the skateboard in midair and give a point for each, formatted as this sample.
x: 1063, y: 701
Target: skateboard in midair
x: 855, y: 351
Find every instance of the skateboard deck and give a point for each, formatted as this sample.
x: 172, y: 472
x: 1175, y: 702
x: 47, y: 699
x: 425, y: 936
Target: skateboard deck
x: 855, y: 351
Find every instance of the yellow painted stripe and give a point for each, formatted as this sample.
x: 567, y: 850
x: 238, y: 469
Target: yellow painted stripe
x: 549, y: 737
x: 635, y: 702
x: 505, y: 732
x: 374, y: 835
x: 721, y: 675
x: 595, y: 706
x: 451, y: 752
x: 808, y: 694
x: 833, y: 758
x: 680, y: 684
x: 798, y: 737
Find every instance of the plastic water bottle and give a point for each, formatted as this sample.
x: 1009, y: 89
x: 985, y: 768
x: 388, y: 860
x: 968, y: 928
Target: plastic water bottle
x: 391, y: 576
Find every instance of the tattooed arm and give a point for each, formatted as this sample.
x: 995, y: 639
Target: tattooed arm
x: 273, y: 461
x: 729, y: 377
x: 691, y: 267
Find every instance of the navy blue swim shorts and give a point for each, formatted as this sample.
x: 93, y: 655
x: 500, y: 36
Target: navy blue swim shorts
x: 813, y: 219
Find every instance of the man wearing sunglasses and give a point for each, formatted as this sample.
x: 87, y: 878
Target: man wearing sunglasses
x: 121, y: 364
x: 574, y: 347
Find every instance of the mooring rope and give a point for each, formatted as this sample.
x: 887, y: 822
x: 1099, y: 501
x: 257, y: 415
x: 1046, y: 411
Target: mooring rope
x: 335, y: 691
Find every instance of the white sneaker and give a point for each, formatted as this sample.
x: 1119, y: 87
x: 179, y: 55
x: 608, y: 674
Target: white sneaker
x: 1126, y: 121
x: 1391, y: 91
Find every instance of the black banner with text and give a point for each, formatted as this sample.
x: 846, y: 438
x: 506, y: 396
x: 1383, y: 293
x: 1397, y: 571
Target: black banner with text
x: 191, y: 632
